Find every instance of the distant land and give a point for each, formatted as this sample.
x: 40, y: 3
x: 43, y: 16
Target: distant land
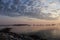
x: 48, y: 24
x: 17, y: 25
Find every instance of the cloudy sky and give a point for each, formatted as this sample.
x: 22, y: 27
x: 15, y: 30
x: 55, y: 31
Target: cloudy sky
x: 18, y: 11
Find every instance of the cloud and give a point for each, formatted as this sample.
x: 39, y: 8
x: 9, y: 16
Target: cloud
x: 51, y: 9
x: 29, y: 8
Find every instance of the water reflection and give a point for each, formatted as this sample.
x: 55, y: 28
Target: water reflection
x: 6, y: 34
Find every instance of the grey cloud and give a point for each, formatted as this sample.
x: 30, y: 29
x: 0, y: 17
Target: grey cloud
x: 29, y: 8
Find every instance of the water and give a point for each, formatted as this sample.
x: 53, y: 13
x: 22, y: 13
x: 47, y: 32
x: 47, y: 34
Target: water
x: 47, y: 31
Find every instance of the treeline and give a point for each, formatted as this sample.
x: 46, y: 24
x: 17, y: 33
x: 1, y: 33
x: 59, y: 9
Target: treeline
x: 30, y: 25
x: 17, y: 25
x: 44, y: 24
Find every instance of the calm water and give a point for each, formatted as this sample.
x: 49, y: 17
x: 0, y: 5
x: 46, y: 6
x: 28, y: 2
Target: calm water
x: 48, y: 31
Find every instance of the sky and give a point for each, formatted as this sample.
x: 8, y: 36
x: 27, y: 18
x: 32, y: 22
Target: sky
x: 24, y: 11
